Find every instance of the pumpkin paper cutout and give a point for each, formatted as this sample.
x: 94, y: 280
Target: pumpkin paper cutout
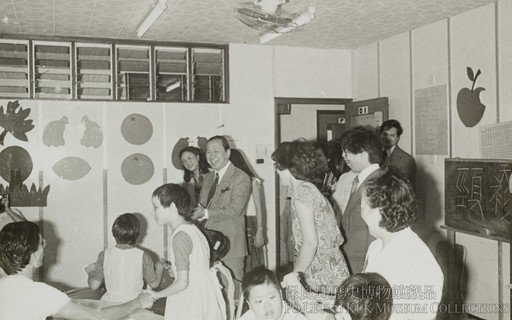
x: 93, y: 135
x: 137, y: 169
x: 16, y: 165
x: 71, y: 168
x: 136, y: 129
x: 53, y: 133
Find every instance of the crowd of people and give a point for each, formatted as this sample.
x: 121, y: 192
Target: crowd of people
x: 352, y: 205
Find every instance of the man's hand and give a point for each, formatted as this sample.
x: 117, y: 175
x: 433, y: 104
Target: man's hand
x: 259, y: 239
x: 198, y: 213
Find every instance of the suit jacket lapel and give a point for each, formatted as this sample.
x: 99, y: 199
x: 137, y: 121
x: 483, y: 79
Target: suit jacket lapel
x: 352, y: 201
x: 396, y: 155
x: 224, y: 182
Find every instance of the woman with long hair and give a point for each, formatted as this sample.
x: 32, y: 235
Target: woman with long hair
x: 194, y: 167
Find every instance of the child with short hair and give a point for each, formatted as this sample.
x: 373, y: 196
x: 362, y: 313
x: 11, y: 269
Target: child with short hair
x: 263, y: 294
x: 195, y: 293
x: 124, y: 267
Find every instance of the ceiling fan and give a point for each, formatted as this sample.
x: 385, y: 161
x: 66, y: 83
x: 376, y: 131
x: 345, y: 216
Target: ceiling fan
x: 268, y: 17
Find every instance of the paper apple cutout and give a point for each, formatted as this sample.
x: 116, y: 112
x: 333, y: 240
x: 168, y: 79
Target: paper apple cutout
x: 469, y: 107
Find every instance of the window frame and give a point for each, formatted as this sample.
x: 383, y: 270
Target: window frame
x: 74, y: 42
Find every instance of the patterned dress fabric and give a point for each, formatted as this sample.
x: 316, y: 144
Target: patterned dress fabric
x: 328, y: 268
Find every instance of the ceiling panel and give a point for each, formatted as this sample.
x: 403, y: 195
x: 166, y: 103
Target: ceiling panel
x: 339, y: 24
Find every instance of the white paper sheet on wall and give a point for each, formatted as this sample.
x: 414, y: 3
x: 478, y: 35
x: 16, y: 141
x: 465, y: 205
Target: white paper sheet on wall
x: 431, y: 125
x: 496, y: 140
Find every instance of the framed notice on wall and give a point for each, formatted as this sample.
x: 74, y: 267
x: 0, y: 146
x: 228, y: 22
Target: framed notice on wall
x: 431, y: 121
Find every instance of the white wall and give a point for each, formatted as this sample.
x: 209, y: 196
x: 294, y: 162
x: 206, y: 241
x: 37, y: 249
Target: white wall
x: 79, y: 214
x: 438, y: 54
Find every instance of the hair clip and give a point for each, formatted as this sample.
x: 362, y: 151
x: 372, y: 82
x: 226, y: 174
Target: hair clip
x: 224, y: 190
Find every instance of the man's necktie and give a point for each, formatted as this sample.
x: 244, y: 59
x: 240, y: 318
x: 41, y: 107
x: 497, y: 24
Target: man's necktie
x: 355, y: 184
x: 212, y: 189
x: 384, y: 157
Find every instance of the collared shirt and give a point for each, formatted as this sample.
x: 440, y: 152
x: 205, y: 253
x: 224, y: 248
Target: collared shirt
x: 390, y: 150
x: 342, y: 193
x: 223, y: 170
x: 366, y: 172
x: 412, y: 271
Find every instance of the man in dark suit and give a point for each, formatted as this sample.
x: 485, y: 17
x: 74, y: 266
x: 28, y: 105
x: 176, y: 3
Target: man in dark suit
x: 390, y: 132
x: 223, y: 202
x: 362, y: 151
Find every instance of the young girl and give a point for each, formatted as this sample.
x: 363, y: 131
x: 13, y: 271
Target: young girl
x: 124, y: 267
x: 195, y: 293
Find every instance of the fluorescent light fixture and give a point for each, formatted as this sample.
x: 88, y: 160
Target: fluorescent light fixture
x: 297, y: 22
x: 173, y: 86
x: 157, y: 11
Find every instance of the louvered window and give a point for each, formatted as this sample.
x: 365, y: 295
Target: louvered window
x: 14, y: 69
x: 133, y: 73
x: 93, y: 71
x: 208, y: 74
x: 52, y: 70
x: 171, y: 73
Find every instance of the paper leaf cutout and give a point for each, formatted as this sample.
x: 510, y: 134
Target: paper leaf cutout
x: 15, y: 122
x: 71, y: 168
x: 20, y: 196
x: 53, y: 133
x: 136, y: 129
x: 93, y: 135
x: 137, y: 169
x: 471, y: 75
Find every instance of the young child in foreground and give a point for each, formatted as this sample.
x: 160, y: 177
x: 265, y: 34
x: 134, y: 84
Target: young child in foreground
x: 263, y: 294
x: 362, y: 296
x: 195, y: 293
x: 124, y: 267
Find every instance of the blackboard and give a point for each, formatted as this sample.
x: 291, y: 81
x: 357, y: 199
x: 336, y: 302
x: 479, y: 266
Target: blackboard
x: 477, y: 196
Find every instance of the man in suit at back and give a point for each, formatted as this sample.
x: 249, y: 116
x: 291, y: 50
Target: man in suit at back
x: 223, y: 202
x: 390, y: 132
x: 362, y: 151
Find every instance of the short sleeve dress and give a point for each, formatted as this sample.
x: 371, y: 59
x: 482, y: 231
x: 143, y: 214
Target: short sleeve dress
x: 328, y: 268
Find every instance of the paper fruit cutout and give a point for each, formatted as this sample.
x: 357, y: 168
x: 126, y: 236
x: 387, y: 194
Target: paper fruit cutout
x: 182, y: 144
x: 16, y: 168
x: 71, y: 168
x: 136, y: 129
x: 93, y: 135
x: 15, y: 122
x: 469, y: 107
x: 16, y: 165
x: 137, y: 169
x: 53, y: 133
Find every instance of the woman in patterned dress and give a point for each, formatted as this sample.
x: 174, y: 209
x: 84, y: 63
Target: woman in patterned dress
x: 316, y: 235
